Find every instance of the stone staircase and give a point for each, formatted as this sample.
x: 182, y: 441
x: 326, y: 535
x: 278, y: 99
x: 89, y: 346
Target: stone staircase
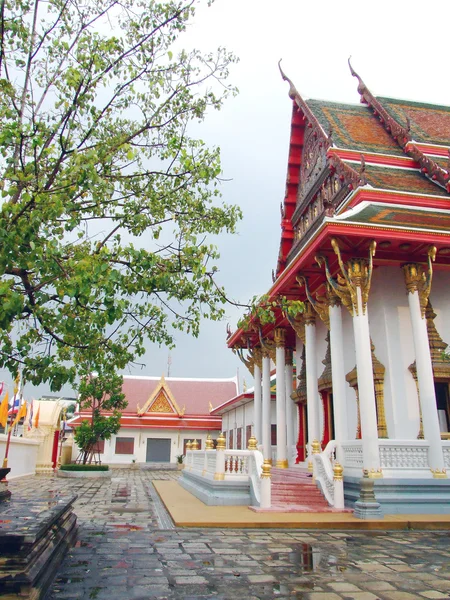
x: 293, y: 490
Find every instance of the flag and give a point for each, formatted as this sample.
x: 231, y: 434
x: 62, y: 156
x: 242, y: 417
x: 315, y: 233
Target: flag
x: 4, y: 410
x: 22, y: 412
x: 30, y: 418
x: 36, y: 420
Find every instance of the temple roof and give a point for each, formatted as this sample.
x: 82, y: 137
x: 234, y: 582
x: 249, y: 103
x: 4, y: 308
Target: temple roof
x: 353, y: 126
x: 192, y: 396
x: 404, y: 180
x: 395, y: 216
x: 428, y: 123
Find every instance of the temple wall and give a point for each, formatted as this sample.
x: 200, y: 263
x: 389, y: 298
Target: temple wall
x: 440, y: 299
x: 22, y: 455
x: 177, y: 438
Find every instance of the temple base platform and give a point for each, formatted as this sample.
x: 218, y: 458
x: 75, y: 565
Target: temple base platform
x: 404, y: 496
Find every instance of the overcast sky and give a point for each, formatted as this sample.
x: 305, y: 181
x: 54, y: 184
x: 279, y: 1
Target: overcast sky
x: 399, y: 49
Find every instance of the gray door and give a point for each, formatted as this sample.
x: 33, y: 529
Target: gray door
x: 158, y: 450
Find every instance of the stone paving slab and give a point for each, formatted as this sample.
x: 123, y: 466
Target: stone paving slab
x: 126, y: 555
x: 188, y: 511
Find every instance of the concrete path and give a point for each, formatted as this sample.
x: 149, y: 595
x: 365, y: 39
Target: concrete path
x: 128, y: 548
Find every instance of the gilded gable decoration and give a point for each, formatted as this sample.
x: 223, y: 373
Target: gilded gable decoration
x: 161, y: 401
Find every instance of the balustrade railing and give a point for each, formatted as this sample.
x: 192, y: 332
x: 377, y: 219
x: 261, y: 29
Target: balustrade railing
x: 238, y: 465
x: 328, y: 474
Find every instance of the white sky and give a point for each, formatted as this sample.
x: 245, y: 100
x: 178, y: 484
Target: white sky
x: 399, y: 48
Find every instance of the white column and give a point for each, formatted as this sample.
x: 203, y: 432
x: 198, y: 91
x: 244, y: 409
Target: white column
x: 369, y: 430
x: 312, y: 394
x: 425, y: 381
x: 282, y: 462
x: 290, y: 412
x: 265, y: 417
x: 257, y: 404
x: 338, y: 376
x: 298, y: 366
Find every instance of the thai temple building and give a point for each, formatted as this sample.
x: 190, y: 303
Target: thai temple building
x: 162, y: 416
x: 365, y: 245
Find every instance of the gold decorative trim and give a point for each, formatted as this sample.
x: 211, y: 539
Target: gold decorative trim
x: 373, y: 473
x: 279, y: 336
x: 309, y: 314
x: 219, y: 476
x: 282, y: 464
x: 221, y: 442
x: 252, y: 443
x: 164, y: 388
x: 267, y: 347
x: 418, y: 280
x: 289, y: 357
x: 266, y: 469
x: 321, y: 305
x: 298, y: 325
x: 338, y: 472
x: 439, y: 474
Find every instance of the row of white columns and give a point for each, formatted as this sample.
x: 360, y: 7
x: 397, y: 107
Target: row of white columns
x: 285, y: 410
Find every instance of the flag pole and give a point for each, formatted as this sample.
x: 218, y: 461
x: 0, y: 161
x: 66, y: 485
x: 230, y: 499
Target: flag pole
x: 8, y: 439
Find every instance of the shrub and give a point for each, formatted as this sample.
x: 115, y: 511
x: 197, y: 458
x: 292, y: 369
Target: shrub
x: 84, y: 468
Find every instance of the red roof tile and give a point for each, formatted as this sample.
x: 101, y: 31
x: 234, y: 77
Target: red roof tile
x: 192, y: 394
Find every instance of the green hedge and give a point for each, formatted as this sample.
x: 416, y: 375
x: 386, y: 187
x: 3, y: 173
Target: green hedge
x: 78, y: 467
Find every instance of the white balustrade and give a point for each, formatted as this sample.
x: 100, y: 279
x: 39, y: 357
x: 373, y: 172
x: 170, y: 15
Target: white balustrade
x: 238, y: 465
x: 446, y: 452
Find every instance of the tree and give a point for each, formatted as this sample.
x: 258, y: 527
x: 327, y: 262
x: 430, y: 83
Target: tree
x: 107, y: 198
x: 102, y: 394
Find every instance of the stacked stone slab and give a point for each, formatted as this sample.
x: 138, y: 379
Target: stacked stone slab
x: 34, y: 538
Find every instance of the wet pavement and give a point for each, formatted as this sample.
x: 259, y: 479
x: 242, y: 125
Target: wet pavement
x: 128, y: 548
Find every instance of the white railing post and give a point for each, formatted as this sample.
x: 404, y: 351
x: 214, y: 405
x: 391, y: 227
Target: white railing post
x: 315, y: 449
x: 219, y: 475
x: 338, y: 483
x: 266, y: 483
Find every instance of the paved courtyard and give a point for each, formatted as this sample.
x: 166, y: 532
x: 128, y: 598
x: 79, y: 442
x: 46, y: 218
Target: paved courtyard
x: 128, y: 548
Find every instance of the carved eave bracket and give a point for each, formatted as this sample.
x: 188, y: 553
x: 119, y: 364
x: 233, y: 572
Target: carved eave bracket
x: 268, y: 347
x: 402, y: 135
x: 298, y: 325
x: 320, y: 305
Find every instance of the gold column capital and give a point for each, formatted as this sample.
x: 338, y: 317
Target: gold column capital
x: 279, y: 336
x: 417, y: 279
x: 289, y: 357
x: 309, y: 314
x: 355, y: 273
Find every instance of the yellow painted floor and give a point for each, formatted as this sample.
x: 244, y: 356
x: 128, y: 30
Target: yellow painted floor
x: 187, y: 511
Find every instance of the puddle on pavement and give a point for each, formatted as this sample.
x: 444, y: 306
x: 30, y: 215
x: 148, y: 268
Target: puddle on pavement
x: 310, y: 558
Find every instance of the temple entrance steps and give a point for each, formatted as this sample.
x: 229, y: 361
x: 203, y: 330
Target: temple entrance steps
x: 294, y: 490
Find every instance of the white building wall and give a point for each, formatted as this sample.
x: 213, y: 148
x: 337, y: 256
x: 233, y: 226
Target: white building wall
x: 349, y: 364
x: 177, y: 438
x: 22, y: 455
